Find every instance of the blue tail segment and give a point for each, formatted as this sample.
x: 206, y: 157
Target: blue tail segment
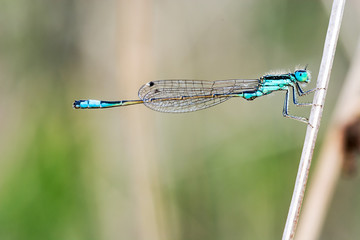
x: 95, y: 104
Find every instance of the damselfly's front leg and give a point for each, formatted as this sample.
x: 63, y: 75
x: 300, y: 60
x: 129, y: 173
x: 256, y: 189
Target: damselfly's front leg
x: 301, y: 92
x: 295, y: 99
x: 286, y: 110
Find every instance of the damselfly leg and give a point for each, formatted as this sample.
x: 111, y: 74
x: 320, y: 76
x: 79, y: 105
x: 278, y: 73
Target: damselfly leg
x: 295, y: 99
x: 286, y: 110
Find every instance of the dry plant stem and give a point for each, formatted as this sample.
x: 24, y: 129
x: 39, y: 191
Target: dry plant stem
x: 134, y: 53
x: 315, y: 117
x: 328, y: 168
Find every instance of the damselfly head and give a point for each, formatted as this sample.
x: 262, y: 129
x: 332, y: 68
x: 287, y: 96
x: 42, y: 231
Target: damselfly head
x: 302, y: 76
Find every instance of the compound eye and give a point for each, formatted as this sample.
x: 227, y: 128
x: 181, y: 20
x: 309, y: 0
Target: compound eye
x: 301, y: 76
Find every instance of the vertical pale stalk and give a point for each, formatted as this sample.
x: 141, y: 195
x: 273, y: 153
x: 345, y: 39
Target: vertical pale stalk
x: 315, y: 117
x: 331, y: 157
x: 135, y: 62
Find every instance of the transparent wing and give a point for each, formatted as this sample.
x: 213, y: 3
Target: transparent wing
x: 192, y: 95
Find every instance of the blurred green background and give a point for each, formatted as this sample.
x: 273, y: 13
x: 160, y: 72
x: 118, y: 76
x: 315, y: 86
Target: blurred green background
x: 131, y: 173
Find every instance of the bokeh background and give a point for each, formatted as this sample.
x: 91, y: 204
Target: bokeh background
x: 130, y: 173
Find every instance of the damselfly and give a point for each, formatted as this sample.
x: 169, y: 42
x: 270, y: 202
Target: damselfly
x: 178, y: 96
